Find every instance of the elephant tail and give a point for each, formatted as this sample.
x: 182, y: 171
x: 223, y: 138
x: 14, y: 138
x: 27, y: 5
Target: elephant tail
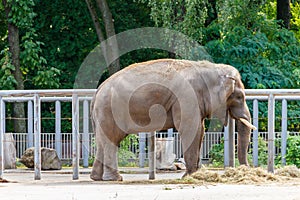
x: 92, y: 113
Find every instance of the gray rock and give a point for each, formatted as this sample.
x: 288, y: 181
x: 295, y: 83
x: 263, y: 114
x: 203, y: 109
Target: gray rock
x: 9, y: 151
x: 49, y: 159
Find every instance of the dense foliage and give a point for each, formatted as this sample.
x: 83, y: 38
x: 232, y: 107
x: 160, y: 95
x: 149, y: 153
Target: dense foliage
x: 56, y: 36
x: 292, y: 152
x: 34, y: 67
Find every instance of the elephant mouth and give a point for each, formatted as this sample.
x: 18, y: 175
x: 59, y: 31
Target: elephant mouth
x: 248, y: 124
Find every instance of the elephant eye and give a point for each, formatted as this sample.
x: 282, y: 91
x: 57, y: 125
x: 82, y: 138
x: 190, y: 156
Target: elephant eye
x: 240, y: 97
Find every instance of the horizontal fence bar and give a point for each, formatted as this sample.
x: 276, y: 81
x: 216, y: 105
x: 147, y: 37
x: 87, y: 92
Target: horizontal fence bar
x: 17, y: 99
x: 60, y: 92
x: 43, y: 99
x: 277, y: 92
x: 265, y: 98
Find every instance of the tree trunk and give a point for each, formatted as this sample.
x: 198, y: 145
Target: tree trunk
x: 96, y: 23
x: 14, y: 49
x: 212, y: 12
x: 109, y: 45
x: 284, y: 13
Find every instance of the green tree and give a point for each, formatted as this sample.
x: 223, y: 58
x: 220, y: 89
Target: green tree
x: 109, y: 49
x: 23, y: 53
x: 266, y: 56
x: 21, y: 63
x: 295, y: 20
x: 188, y: 17
x: 66, y: 32
x: 68, y: 35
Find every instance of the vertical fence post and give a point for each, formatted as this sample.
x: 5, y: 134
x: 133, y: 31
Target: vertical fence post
x: 58, y: 128
x: 284, y: 133
x: 226, y: 146
x: 152, y: 160
x: 2, y: 121
x: 255, y: 133
x: 75, y: 136
x: 271, y: 132
x: 142, y: 144
x: 229, y: 142
x: 37, y: 137
x: 30, y: 124
x: 85, y: 135
x: 170, y: 133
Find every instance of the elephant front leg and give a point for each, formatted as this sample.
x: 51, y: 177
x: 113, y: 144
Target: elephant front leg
x: 191, y: 146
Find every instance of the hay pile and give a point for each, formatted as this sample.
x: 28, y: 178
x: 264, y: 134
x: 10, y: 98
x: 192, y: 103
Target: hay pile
x: 289, y: 171
x: 247, y: 175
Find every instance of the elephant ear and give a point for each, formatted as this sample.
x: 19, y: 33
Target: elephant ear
x: 228, y: 82
x: 227, y: 88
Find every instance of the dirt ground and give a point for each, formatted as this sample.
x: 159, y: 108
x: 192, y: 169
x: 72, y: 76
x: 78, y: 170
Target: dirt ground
x: 61, y: 186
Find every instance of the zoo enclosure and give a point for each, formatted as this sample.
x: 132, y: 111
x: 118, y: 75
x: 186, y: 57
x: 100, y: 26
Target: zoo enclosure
x: 34, y: 137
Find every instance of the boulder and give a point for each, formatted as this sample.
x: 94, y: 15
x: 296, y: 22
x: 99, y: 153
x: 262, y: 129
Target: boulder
x: 164, y: 154
x: 49, y: 159
x: 9, y: 151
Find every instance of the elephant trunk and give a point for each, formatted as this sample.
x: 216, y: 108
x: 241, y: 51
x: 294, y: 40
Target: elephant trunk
x: 244, y: 127
x: 243, y: 142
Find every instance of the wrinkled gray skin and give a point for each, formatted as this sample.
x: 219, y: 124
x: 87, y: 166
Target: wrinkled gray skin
x: 161, y: 94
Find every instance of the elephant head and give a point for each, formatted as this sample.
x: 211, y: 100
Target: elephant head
x: 231, y: 90
x: 238, y: 110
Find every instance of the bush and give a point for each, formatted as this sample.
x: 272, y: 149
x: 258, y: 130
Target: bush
x: 293, y: 151
x: 262, y: 152
x: 126, y: 158
x: 216, y: 154
x: 292, y: 156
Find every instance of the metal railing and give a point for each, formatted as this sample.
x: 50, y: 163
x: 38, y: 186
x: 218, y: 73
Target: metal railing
x: 81, y: 148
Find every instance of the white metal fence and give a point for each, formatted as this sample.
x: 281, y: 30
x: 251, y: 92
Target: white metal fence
x: 48, y: 140
x: 79, y: 142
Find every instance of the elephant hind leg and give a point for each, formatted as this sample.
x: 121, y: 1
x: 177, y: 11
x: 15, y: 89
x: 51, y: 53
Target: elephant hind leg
x: 110, y: 142
x: 110, y: 167
x: 97, y: 171
x: 105, y: 167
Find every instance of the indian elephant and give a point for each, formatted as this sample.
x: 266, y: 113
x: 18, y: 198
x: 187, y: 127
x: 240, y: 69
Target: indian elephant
x: 161, y: 94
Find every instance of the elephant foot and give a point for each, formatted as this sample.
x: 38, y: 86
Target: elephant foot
x: 106, y: 177
x: 97, y: 171
x: 188, y: 173
x: 117, y: 178
x: 95, y: 177
x: 111, y: 175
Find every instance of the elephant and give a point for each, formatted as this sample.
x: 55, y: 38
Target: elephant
x: 166, y: 93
